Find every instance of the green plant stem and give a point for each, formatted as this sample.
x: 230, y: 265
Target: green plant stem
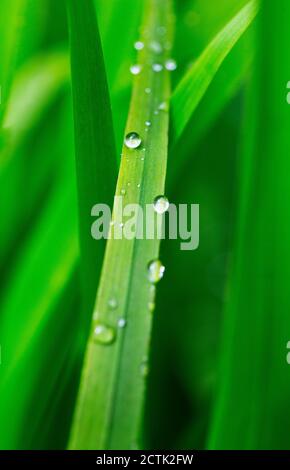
x: 111, y: 395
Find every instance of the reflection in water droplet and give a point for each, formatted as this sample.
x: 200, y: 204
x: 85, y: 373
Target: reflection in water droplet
x: 161, y: 204
x: 157, y: 67
x: 113, y: 304
x: 139, y: 45
x: 122, y: 323
x: 170, y: 65
x: 104, y: 334
x: 133, y: 140
x: 155, y: 271
x: 135, y: 69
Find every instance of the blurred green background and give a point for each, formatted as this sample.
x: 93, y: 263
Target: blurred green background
x: 218, y: 371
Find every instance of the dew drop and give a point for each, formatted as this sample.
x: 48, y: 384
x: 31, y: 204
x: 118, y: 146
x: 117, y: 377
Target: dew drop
x: 135, y: 69
x: 155, y: 271
x: 123, y: 192
x: 170, y: 65
x: 155, y: 47
x: 163, y: 106
x: 147, y: 123
x: 161, y: 30
x: 122, y: 323
x: 156, y: 112
x: 151, y: 306
x: 104, y: 334
x: 147, y: 91
x: 157, y: 67
x: 139, y: 45
x: 138, y: 185
x: 144, y: 368
x: 133, y: 140
x: 113, y: 304
x: 161, y: 204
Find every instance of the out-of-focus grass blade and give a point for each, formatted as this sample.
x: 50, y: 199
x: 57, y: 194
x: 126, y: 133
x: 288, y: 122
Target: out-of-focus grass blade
x: 193, y: 86
x: 35, y: 86
x: 112, y: 388
x: 15, y: 39
x: 36, y: 89
x: 34, y: 326
x: 94, y: 136
x: 116, y: 16
x: 252, y: 409
x: 226, y: 84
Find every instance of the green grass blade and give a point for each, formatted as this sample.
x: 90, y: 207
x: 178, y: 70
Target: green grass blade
x: 94, y: 136
x: 195, y: 83
x: 252, y: 409
x: 111, y: 396
x: 33, y: 324
x: 16, y: 40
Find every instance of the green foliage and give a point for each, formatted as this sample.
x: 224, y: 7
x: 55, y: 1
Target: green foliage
x: 209, y: 365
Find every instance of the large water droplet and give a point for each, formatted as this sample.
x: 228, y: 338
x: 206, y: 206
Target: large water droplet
x: 133, y: 140
x: 155, y: 271
x: 135, y: 69
x: 157, y: 67
x: 104, y: 334
x: 170, y: 65
x: 139, y: 45
x: 161, y: 204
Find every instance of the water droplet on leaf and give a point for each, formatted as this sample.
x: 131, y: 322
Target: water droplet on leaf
x: 135, y: 69
x: 133, y: 140
x: 170, y: 65
x: 161, y: 204
x: 139, y: 45
x: 113, y: 304
x: 122, y: 323
x: 157, y: 67
x: 104, y: 334
x: 155, y: 47
x: 155, y: 271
